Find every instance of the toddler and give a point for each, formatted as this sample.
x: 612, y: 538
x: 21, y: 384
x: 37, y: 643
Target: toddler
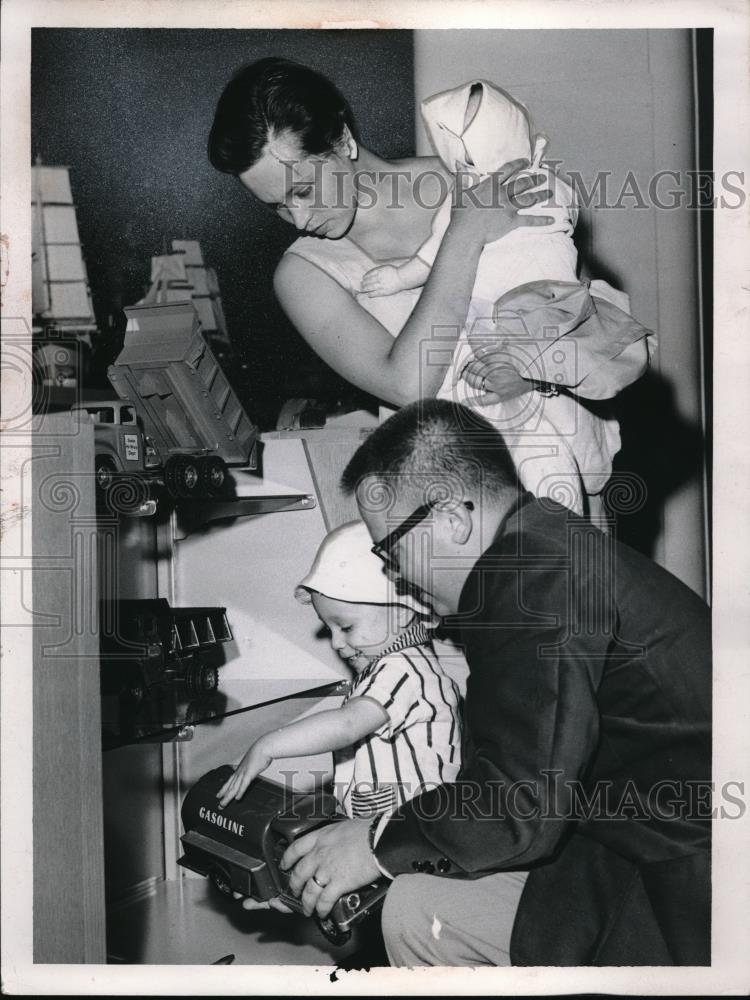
x: 398, y: 729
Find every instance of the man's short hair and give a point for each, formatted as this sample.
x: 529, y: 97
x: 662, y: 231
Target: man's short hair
x: 432, y: 449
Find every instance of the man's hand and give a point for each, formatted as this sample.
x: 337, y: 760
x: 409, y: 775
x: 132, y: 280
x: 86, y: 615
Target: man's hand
x: 329, y: 862
x: 255, y: 760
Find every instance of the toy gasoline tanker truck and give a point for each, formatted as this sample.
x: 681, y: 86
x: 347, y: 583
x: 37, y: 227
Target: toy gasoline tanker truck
x: 191, y: 418
x: 239, y: 847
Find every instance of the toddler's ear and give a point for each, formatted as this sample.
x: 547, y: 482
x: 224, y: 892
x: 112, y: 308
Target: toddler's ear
x: 403, y: 615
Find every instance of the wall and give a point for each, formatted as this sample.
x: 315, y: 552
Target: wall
x: 618, y: 101
x: 251, y: 565
x: 129, y: 111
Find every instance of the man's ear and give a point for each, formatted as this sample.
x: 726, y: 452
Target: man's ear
x: 460, y: 524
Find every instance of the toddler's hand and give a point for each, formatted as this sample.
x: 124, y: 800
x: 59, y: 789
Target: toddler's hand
x: 256, y: 904
x: 383, y: 280
x: 251, y: 765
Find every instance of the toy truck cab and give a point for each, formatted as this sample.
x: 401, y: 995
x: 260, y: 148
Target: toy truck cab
x: 120, y: 444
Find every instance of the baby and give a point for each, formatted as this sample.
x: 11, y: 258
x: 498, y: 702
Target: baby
x: 398, y: 730
x: 475, y: 130
x: 542, y: 338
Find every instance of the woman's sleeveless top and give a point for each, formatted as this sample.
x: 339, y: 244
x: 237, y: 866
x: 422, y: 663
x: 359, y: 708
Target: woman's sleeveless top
x: 562, y: 450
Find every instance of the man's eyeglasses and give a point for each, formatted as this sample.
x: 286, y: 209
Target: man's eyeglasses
x: 384, y: 548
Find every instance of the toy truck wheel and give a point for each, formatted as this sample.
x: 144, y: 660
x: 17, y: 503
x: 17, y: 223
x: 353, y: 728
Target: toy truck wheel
x: 213, y: 475
x: 201, y: 680
x: 104, y: 469
x: 209, y: 679
x: 220, y: 878
x: 333, y: 932
x: 181, y: 476
x: 133, y: 693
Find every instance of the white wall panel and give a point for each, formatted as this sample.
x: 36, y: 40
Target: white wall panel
x: 620, y: 102
x: 252, y: 565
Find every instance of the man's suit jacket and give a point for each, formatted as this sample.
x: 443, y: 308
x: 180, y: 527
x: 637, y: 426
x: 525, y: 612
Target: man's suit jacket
x: 588, y: 713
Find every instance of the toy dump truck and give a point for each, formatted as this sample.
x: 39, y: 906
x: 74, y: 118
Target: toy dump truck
x: 146, y: 643
x: 190, y: 415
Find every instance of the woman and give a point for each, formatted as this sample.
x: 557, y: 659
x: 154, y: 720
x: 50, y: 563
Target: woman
x: 289, y: 135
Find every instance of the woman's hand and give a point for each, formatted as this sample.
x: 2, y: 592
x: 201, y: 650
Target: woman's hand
x: 495, y: 380
x: 490, y: 209
x: 495, y: 368
x: 255, y: 760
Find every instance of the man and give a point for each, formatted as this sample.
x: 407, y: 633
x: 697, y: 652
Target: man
x: 588, y: 716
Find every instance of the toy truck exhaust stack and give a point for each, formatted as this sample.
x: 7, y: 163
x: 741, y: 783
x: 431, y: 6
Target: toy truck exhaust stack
x: 189, y: 412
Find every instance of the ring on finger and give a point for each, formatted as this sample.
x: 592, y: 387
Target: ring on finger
x: 317, y: 881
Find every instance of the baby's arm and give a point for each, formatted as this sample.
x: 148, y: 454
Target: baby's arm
x: 390, y: 278
x: 331, y: 730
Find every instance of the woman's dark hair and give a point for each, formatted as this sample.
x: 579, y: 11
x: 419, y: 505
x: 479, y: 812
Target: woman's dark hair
x: 274, y: 95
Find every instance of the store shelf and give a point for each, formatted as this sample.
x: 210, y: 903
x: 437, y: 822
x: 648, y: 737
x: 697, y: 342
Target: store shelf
x: 192, y: 515
x: 169, y: 713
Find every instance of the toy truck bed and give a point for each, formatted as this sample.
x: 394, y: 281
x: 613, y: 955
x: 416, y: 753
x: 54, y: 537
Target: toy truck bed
x: 169, y: 374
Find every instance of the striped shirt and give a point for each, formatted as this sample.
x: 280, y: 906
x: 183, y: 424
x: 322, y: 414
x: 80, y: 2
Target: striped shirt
x: 418, y: 747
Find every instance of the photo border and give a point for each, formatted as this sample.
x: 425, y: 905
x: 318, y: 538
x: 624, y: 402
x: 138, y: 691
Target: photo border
x: 730, y: 970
